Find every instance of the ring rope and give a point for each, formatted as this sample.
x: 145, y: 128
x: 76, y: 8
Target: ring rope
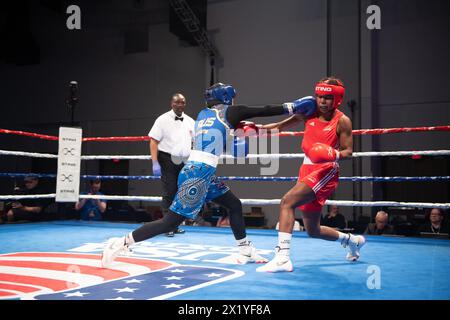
x: 28, y: 154
x: 343, y: 203
x: 269, y: 156
x: 236, y: 178
x: 281, y: 134
x: 374, y: 131
x: 29, y: 134
x: 249, y: 156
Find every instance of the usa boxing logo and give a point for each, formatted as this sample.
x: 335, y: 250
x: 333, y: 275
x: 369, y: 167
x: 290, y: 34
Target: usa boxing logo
x: 78, y: 276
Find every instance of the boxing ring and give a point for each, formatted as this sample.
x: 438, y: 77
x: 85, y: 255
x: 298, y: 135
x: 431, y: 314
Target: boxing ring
x: 60, y: 260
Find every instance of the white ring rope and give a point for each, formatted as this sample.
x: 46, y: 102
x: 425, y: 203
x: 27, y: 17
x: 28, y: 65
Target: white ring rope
x: 28, y: 154
x: 249, y: 156
x: 29, y: 196
x: 344, y: 203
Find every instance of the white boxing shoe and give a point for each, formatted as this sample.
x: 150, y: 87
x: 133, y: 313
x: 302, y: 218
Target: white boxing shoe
x: 113, y: 248
x: 247, y: 254
x: 281, y: 263
x: 354, y: 245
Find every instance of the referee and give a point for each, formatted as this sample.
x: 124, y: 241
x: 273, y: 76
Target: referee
x: 170, y: 145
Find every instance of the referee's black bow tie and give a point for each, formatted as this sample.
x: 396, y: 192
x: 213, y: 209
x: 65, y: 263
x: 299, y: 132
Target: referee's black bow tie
x: 179, y: 118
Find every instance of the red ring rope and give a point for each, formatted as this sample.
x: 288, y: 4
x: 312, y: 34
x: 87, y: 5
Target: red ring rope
x: 376, y: 131
x: 139, y: 138
x: 281, y: 134
x: 29, y: 134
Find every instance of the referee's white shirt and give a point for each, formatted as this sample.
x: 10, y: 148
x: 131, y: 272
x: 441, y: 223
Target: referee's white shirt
x: 175, y: 137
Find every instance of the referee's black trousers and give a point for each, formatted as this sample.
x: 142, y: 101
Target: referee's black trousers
x: 169, y: 177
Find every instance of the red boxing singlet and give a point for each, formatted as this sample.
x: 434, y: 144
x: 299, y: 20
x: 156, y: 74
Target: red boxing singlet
x: 322, y: 178
x: 323, y: 132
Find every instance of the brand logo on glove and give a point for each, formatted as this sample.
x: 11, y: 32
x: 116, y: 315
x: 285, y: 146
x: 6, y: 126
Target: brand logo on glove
x: 330, y: 151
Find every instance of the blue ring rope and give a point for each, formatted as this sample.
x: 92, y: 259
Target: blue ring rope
x: 233, y: 178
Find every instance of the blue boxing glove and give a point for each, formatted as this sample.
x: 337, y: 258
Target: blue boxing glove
x: 306, y: 106
x: 240, y: 147
x: 156, y: 169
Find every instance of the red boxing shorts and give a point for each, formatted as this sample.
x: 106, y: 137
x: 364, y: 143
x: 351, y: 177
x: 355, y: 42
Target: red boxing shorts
x: 323, y: 179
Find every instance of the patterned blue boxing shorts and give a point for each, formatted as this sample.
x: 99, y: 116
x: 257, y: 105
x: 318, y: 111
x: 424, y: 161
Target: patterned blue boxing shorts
x: 197, y: 184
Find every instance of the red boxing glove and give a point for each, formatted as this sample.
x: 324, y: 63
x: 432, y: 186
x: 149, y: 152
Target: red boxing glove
x: 321, y: 152
x: 246, y: 129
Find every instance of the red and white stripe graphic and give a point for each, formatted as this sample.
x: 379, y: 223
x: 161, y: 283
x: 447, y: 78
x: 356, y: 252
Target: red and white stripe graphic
x: 26, y: 274
x: 322, y: 182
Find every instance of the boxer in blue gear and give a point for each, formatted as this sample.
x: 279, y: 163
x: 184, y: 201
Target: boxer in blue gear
x: 197, y: 181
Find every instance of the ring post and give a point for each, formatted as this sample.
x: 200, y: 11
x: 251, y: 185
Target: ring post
x: 69, y: 160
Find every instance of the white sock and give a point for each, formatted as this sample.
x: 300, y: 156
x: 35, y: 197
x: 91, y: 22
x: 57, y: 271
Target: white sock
x: 284, y: 243
x: 242, y: 242
x: 342, y: 236
x: 345, y: 237
x: 129, y: 240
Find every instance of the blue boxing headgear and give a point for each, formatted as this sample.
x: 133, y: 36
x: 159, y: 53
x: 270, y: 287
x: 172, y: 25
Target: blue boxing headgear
x: 223, y: 93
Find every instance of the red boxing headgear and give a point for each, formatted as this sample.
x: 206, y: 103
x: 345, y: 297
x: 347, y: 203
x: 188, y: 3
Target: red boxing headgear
x: 337, y: 91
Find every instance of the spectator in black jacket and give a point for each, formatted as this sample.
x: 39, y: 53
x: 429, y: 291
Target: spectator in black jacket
x: 27, y: 209
x: 334, y: 219
x: 381, y: 225
x: 436, y: 224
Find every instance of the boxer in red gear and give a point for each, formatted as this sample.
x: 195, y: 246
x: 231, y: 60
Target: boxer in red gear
x: 327, y: 140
